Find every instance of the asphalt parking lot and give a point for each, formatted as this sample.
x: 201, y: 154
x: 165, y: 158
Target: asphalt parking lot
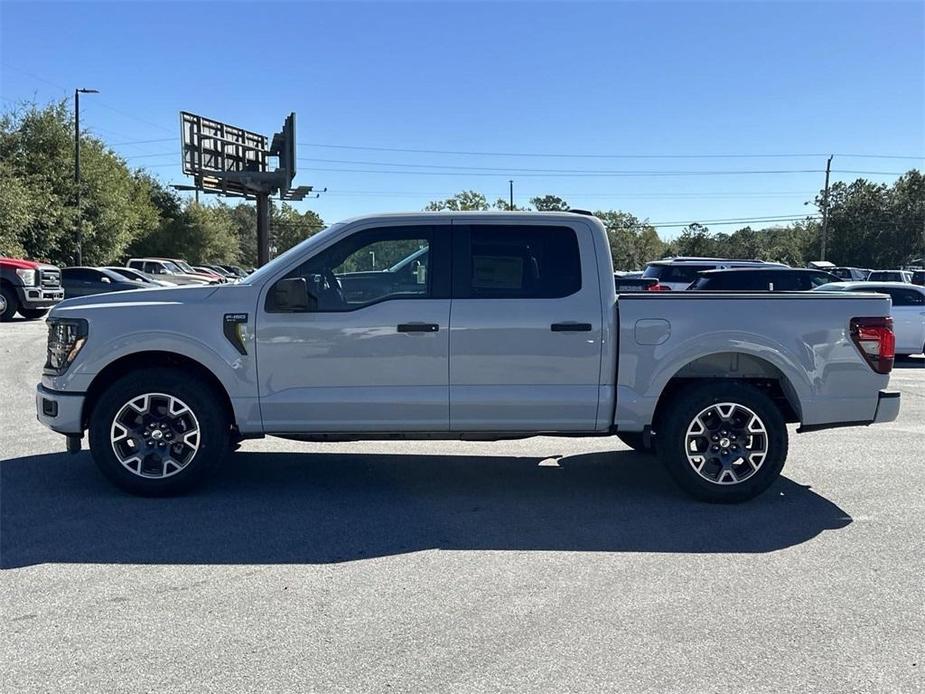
x: 541, y: 565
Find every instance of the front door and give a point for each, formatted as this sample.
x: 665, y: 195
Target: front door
x: 372, y: 354
x: 525, y: 338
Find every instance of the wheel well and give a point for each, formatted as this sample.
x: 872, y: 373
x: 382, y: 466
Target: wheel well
x: 145, y: 360
x: 736, y: 366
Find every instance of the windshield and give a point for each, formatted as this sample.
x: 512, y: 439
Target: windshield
x: 283, y: 259
x: 185, y: 266
x: 172, y: 267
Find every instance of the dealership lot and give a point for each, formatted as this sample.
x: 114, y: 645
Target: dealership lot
x: 553, y: 564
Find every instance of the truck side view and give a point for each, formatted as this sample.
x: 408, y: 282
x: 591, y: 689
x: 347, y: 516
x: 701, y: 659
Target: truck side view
x: 483, y: 326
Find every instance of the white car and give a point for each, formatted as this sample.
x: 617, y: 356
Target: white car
x: 908, y: 310
x: 679, y: 273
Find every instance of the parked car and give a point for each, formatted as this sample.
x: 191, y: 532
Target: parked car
x: 166, y: 269
x: 890, y: 276
x: 227, y: 274
x: 755, y: 279
x: 625, y: 284
x: 84, y: 281
x: 679, y: 273
x: 309, y: 348
x: 851, y: 274
x: 918, y: 277
x: 235, y: 270
x: 28, y: 288
x: 907, y: 310
x: 210, y: 273
x: 184, y: 266
x: 131, y: 274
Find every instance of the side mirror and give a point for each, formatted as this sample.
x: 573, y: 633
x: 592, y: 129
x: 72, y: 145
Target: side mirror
x: 105, y: 280
x: 291, y: 295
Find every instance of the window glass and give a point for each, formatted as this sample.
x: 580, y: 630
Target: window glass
x: 675, y: 272
x: 369, y: 267
x: 521, y: 262
x: 906, y: 297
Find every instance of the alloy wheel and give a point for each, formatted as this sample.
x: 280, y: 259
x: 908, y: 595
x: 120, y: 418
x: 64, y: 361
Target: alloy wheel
x: 726, y: 443
x: 155, y: 435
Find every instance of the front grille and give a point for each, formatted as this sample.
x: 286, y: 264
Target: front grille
x: 50, y: 278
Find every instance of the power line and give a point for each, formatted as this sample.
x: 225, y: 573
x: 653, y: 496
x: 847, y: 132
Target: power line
x: 564, y: 174
x: 413, y: 150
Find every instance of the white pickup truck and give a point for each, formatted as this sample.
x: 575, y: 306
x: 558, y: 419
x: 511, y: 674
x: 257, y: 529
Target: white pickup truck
x: 483, y: 326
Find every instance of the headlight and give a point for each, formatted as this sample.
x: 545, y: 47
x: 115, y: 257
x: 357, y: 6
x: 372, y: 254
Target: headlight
x: 27, y: 277
x: 66, y: 337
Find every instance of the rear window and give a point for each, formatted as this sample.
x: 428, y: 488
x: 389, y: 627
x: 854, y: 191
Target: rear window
x: 521, y: 262
x: 675, y: 273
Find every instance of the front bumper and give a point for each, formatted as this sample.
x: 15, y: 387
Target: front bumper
x: 61, y: 412
x: 36, y: 297
x: 887, y: 406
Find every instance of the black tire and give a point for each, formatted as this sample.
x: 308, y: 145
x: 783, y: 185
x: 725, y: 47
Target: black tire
x: 10, y: 304
x: 32, y: 313
x: 203, y: 402
x: 681, y: 414
x: 636, y: 441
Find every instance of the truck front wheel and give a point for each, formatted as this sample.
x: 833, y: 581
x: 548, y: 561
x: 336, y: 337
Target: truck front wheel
x: 723, y: 442
x: 158, y: 432
x: 32, y: 313
x: 8, y: 304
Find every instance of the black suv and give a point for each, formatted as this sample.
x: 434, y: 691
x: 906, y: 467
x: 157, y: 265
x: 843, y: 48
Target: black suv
x: 746, y: 279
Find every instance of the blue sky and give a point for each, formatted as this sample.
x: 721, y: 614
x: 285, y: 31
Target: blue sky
x: 673, y: 80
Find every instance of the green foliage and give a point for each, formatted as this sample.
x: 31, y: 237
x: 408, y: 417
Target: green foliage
x: 633, y: 242
x: 549, y: 203
x: 125, y: 213
x: 466, y: 200
x: 37, y: 144
x: 876, y: 225
x: 288, y: 227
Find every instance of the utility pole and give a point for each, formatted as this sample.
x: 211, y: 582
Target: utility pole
x: 511, y: 183
x: 80, y: 232
x: 825, y: 205
x: 263, y: 229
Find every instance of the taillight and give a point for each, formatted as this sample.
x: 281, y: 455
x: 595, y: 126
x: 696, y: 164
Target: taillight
x: 657, y: 287
x: 875, y: 340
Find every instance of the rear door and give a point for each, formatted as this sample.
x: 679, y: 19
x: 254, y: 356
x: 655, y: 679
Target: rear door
x: 525, y: 328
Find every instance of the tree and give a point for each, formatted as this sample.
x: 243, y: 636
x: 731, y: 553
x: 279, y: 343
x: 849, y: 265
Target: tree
x: 37, y: 144
x: 15, y: 212
x: 288, y: 226
x: 633, y: 242
x: 466, y: 200
x: 695, y: 240
x: 549, y: 203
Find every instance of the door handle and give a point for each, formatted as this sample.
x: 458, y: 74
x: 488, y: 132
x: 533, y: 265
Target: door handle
x: 418, y: 327
x: 570, y: 327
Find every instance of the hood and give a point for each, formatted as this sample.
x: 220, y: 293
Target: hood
x: 133, y: 299
x: 20, y: 264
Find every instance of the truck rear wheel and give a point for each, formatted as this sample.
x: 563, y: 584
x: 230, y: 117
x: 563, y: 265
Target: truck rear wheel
x: 158, y: 432
x: 8, y: 304
x: 723, y: 442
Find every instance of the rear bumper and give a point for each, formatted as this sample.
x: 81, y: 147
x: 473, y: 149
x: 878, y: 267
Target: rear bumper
x: 36, y: 297
x: 887, y: 410
x: 887, y: 406
x: 61, y: 412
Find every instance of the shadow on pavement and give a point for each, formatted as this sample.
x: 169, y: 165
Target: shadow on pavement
x: 913, y: 362
x: 268, y: 508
